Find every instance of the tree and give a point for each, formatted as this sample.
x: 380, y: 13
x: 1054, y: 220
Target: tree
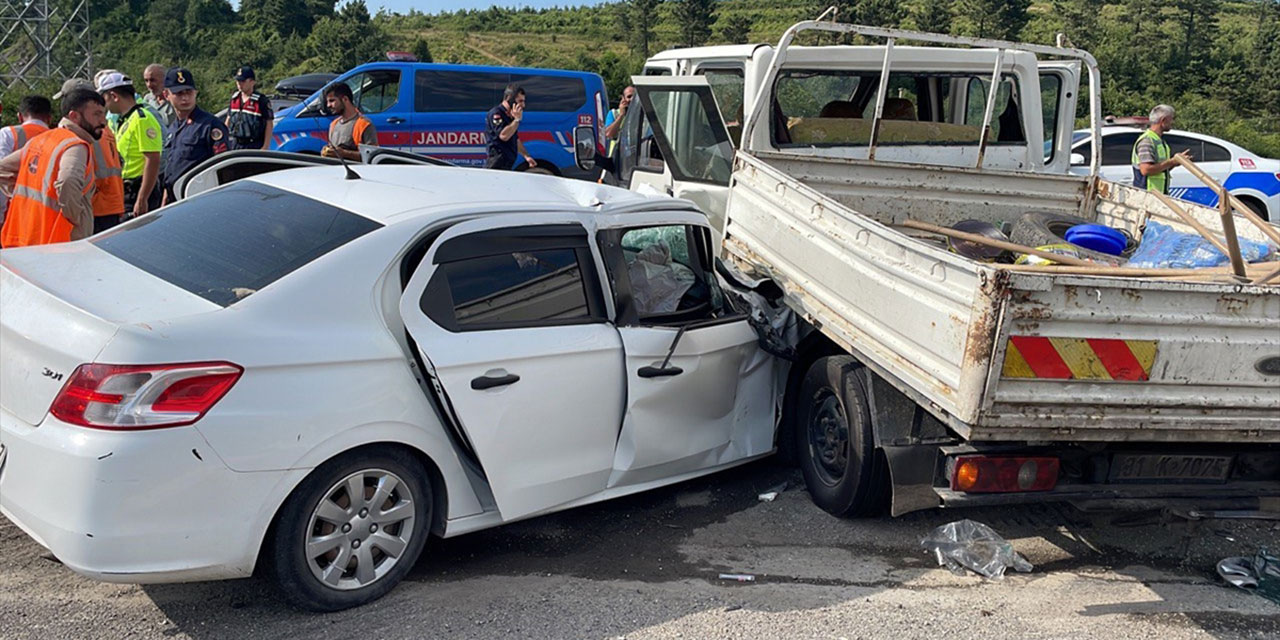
x: 1266, y: 75
x: 694, y: 18
x: 355, y: 11
x: 874, y: 13
x: 1080, y: 20
x: 736, y: 28
x: 165, y: 18
x: 345, y: 40
x: 636, y: 20
x: 1199, y: 19
x: 422, y: 51
x: 1000, y: 19
x: 933, y: 16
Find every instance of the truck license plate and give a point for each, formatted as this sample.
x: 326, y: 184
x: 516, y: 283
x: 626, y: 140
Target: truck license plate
x: 1144, y: 467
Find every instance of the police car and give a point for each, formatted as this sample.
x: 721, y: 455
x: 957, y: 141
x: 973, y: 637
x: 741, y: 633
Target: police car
x: 1251, y: 178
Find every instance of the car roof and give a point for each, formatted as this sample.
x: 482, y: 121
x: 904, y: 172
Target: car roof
x: 394, y: 193
x: 478, y: 68
x: 1122, y: 128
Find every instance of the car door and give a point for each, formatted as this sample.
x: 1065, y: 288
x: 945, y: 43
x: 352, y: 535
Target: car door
x: 700, y: 391
x: 1117, y: 155
x: 1211, y: 158
x: 235, y: 165
x: 508, y: 315
x: 684, y: 122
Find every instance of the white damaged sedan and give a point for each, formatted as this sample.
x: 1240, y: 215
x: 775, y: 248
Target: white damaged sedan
x: 313, y: 375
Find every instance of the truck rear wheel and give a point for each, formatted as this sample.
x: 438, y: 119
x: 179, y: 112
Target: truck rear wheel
x: 834, y: 440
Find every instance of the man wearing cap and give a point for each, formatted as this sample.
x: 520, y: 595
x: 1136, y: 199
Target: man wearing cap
x: 52, y: 178
x: 153, y: 77
x: 249, y: 114
x: 139, y: 138
x: 108, y: 196
x: 196, y: 134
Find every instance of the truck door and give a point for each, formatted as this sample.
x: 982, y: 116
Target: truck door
x: 509, y: 317
x: 683, y: 120
x: 1059, y: 93
x: 699, y: 388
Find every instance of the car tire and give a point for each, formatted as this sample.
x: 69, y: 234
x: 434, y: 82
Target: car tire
x: 1256, y: 207
x: 834, y: 440
x: 542, y: 171
x: 1042, y: 228
x: 320, y: 525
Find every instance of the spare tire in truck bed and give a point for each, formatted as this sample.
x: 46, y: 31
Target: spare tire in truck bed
x: 1041, y: 228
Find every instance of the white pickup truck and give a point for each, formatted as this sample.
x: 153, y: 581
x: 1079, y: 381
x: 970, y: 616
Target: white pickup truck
x: 950, y: 380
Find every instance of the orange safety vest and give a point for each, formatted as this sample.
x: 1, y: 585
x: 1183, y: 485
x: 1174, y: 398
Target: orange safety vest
x: 25, y: 132
x: 357, y: 132
x: 107, y: 166
x: 35, y: 216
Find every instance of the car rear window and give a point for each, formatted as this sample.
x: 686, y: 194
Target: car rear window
x: 229, y: 243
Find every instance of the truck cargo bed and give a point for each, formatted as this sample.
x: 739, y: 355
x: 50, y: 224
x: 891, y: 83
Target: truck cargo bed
x: 999, y: 354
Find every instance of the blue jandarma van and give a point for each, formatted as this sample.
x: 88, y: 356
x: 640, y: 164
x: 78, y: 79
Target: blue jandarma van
x: 439, y: 110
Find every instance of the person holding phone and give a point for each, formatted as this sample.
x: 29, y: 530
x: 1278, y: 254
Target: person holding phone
x: 502, y: 127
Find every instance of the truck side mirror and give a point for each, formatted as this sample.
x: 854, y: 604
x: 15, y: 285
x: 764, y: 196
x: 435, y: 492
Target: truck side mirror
x: 584, y: 147
x: 1077, y: 160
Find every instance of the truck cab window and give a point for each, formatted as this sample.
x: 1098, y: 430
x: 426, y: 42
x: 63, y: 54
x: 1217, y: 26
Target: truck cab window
x: 690, y: 134
x: 727, y: 84
x: 834, y: 108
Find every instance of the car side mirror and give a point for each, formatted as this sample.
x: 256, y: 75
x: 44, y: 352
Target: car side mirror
x: 584, y: 147
x: 1077, y: 160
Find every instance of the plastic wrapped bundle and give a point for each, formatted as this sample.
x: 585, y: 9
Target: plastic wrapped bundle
x: 1163, y: 247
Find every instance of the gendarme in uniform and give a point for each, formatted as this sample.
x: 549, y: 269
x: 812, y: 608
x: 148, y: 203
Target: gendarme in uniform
x: 190, y: 142
x: 502, y: 153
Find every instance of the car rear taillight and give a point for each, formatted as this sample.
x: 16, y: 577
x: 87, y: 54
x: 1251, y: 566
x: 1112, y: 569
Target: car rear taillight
x: 130, y: 397
x: 1003, y: 474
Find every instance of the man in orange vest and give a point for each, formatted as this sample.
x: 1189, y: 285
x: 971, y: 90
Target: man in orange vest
x: 34, y: 115
x: 52, y: 179
x: 108, y: 198
x: 350, y: 129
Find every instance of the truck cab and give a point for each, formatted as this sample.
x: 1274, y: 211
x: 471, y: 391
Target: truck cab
x: 908, y: 104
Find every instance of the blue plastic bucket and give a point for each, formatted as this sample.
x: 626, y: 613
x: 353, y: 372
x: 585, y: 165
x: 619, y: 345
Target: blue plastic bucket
x: 1097, y: 237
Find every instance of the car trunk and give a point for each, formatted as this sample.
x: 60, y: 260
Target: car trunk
x: 61, y: 305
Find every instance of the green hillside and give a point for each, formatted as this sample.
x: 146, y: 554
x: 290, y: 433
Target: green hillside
x: 1213, y: 59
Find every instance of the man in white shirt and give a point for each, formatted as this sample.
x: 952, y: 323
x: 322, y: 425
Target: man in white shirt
x: 34, y: 115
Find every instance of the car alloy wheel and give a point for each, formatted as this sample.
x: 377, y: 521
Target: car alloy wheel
x: 360, y: 529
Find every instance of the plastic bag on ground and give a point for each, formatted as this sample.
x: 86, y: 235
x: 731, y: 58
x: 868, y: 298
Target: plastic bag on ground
x: 1163, y: 247
x: 973, y: 545
x: 1259, y: 574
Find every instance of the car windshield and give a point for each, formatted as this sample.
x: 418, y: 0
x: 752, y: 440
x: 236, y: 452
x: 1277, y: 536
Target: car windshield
x: 228, y: 243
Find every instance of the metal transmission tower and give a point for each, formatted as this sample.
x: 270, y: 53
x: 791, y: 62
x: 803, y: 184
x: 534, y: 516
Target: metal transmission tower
x: 39, y: 43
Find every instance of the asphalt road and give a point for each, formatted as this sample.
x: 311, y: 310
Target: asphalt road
x: 647, y: 567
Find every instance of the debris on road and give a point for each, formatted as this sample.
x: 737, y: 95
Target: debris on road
x: 1259, y: 574
x: 738, y: 577
x: 772, y: 492
x: 965, y: 543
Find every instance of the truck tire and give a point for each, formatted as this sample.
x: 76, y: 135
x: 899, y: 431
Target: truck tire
x: 834, y: 440
x: 331, y: 550
x: 1042, y: 228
